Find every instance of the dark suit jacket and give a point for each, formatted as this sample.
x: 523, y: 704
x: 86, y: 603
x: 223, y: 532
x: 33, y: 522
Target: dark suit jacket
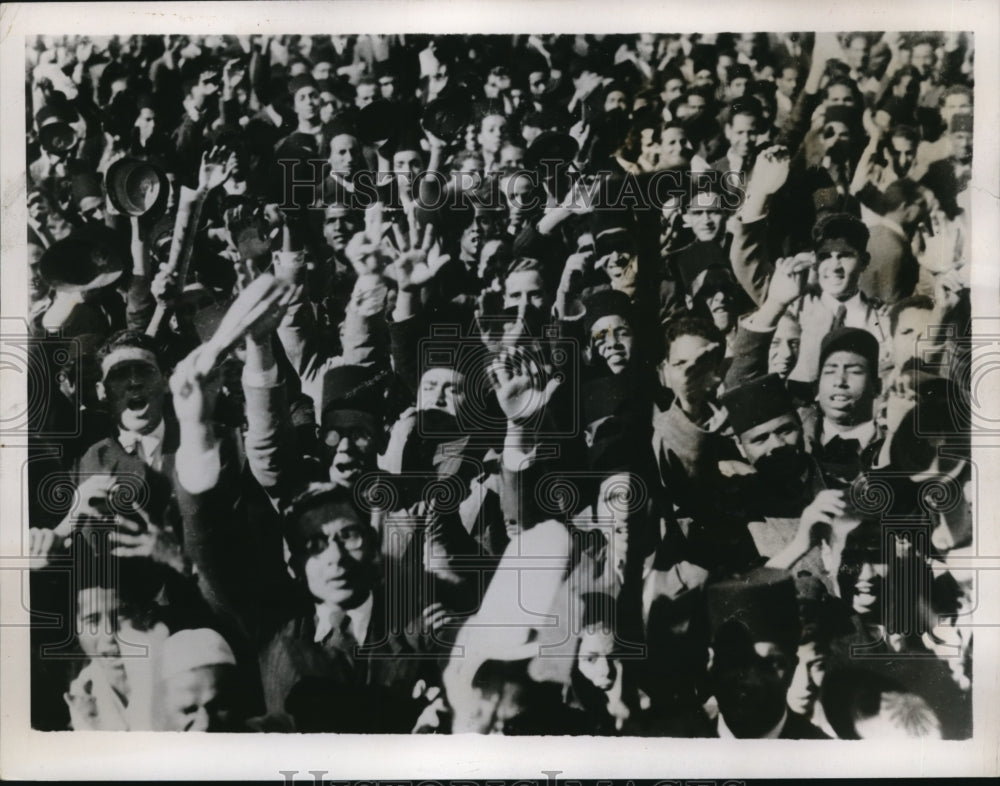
x: 892, y: 273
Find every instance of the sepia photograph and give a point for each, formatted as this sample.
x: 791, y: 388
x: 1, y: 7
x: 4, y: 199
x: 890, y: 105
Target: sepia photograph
x: 371, y: 375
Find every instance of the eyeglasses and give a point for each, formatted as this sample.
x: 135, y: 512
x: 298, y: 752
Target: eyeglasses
x: 351, y: 538
x: 611, y: 336
x: 617, y: 260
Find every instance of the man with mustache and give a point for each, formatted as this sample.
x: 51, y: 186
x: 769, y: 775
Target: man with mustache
x: 795, y: 520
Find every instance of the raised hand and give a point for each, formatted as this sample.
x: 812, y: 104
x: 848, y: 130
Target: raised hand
x: 789, y: 279
x: 212, y: 173
x: 522, y: 385
x: 138, y: 536
x: 770, y: 171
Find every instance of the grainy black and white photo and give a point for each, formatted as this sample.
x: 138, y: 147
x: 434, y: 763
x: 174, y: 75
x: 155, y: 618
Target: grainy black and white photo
x: 607, y: 385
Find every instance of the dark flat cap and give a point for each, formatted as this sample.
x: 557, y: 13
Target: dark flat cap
x: 757, y: 402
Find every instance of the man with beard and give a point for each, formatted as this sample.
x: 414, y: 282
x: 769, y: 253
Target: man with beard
x: 794, y: 519
x: 752, y: 657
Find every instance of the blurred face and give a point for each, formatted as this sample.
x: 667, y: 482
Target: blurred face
x: 675, y: 150
x: 387, y: 87
x: 441, y: 388
x: 339, y: 227
x: 407, y: 162
x: 134, y: 391
x: 807, y: 679
x: 351, y: 450
x: 538, y: 83
x: 522, y: 198
x: 695, y: 104
x: 961, y: 145
x: 336, y: 551
x: 911, y: 326
x: 512, y: 156
x: 672, y: 90
x: 611, y: 339
x: 719, y: 305
x: 344, y: 154
x: 751, y: 688
x: 903, y: 152
x: 836, y: 139
x: 615, y: 501
x: 199, y: 700
x: 957, y: 103
x: 594, y: 659
x: 524, y: 288
x: 616, y: 99
x: 692, y: 369
x: 922, y: 58
x: 839, y: 95
x: 869, y: 587
x: 784, y: 350
x: 737, y: 88
x: 649, y: 147
x: 705, y: 216
x: 782, y: 434
x: 146, y: 122
x: 492, y: 133
x: 846, y: 388
x: 857, y: 52
x: 496, y: 84
x: 321, y: 71
x: 365, y: 95
x: 97, y: 630
x: 469, y: 243
x: 742, y: 135
x: 787, y: 81
x: 839, y: 268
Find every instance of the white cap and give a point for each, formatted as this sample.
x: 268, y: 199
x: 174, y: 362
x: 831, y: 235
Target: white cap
x: 191, y: 649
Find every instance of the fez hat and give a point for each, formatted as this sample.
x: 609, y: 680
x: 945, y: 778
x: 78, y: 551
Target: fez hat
x: 447, y: 117
x: 762, y: 601
x: 86, y: 184
x: 848, y: 339
x: 757, y: 402
x: 551, y: 146
x: 296, y: 83
x: 136, y: 187
x: 961, y: 122
x: 352, y: 394
x: 841, y: 226
x: 696, y: 258
x: 378, y: 121
x: 838, y: 113
x: 604, y: 303
x: 90, y: 258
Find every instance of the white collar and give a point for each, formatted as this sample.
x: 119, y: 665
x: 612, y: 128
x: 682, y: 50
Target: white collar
x: 726, y: 733
x: 864, y: 432
x: 853, y: 303
x: 151, y: 442
x: 360, y: 617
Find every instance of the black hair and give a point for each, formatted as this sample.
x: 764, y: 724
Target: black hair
x: 922, y: 302
x: 690, y: 326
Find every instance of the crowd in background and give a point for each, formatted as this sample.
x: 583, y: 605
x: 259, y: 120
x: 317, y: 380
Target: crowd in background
x: 508, y: 384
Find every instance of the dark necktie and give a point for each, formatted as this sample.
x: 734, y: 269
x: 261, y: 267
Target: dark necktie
x: 840, y: 316
x: 841, y: 451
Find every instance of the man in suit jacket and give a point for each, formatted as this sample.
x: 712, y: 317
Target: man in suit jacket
x: 331, y: 652
x: 755, y: 633
x: 893, y: 271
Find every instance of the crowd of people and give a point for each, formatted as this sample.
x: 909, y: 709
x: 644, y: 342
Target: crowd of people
x: 506, y: 384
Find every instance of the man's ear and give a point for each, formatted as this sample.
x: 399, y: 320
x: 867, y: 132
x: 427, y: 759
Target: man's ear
x: 689, y: 302
x: 102, y: 393
x: 711, y: 659
x: 863, y: 259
